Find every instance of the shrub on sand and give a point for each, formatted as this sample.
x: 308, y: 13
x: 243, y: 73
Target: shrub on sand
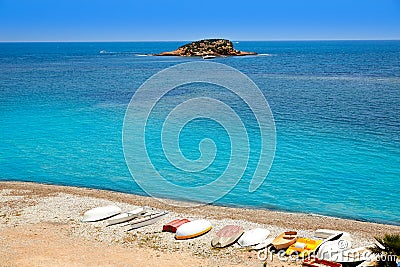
x: 389, y: 248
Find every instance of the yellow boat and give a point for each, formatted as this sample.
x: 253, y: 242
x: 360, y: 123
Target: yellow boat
x: 303, y: 247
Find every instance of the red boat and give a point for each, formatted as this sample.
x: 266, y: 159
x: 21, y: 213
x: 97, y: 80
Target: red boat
x: 314, y: 262
x: 173, y: 225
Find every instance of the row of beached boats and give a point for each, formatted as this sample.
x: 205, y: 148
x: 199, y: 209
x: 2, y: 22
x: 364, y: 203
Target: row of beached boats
x: 327, y: 248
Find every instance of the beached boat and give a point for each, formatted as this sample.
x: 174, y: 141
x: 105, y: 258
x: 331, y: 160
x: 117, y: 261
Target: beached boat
x: 209, y: 57
x: 303, y: 247
x: 173, y: 225
x: 264, y: 244
x: 126, y: 216
x: 100, y: 213
x: 284, y: 240
x: 147, y: 219
x: 356, y: 255
x: 333, y: 247
x: 315, y: 262
x: 253, y: 237
x: 193, y: 229
x: 228, y: 235
x: 326, y: 233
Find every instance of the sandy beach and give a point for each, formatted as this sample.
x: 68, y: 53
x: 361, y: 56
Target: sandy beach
x: 40, y: 225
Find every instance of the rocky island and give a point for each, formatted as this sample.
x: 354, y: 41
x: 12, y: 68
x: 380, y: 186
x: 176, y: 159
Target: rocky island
x: 207, y: 47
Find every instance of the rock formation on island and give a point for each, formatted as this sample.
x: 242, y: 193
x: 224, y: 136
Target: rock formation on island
x: 207, y: 47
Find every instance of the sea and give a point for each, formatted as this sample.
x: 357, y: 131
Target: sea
x: 335, y: 107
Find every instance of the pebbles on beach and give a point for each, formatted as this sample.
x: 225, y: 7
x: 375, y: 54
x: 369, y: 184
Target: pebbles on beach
x: 27, y: 207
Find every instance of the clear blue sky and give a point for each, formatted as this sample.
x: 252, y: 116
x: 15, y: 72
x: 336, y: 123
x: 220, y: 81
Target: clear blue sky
x: 146, y: 20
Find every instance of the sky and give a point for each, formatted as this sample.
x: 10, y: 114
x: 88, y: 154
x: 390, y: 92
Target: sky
x: 169, y: 20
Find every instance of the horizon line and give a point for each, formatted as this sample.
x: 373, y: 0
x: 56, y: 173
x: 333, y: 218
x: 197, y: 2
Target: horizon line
x: 239, y: 40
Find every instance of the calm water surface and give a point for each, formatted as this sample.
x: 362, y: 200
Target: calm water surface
x: 336, y: 107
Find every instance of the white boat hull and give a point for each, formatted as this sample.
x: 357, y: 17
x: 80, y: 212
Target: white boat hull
x: 125, y: 217
x: 263, y: 244
x: 326, y: 233
x: 100, y: 213
x: 193, y: 229
x: 253, y: 237
x: 147, y: 220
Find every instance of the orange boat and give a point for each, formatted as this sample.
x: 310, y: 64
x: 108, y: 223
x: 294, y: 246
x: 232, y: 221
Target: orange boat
x: 284, y: 240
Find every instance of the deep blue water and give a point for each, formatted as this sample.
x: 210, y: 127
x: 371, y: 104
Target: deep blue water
x: 336, y: 106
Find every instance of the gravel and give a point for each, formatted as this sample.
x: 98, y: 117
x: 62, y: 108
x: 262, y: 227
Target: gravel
x: 25, y: 207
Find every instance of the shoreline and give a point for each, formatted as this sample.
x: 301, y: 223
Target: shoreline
x: 238, y: 207
x: 220, y: 210
x: 41, y: 223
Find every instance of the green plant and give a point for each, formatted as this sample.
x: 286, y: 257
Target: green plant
x: 389, y: 249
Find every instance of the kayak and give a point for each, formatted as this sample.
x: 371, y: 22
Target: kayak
x: 100, y: 213
x: 126, y: 216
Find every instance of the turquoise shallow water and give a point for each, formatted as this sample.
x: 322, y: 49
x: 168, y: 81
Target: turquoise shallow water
x: 335, y: 105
